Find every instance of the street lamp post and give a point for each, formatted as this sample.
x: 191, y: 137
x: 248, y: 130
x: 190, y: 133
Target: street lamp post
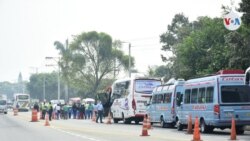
x: 58, y: 76
x: 44, y: 88
x: 129, y: 59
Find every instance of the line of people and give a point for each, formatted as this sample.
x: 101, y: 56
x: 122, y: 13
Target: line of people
x: 66, y: 111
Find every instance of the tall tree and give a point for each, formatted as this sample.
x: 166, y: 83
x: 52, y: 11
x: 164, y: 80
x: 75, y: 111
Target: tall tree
x: 90, y: 58
x: 205, y: 47
x: 245, y: 8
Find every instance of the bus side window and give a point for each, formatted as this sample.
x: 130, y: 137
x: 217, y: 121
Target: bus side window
x: 201, y: 95
x: 187, y: 96
x: 154, y: 99
x: 194, y: 94
x: 179, y: 98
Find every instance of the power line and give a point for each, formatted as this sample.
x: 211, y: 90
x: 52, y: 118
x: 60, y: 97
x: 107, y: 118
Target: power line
x: 143, y: 38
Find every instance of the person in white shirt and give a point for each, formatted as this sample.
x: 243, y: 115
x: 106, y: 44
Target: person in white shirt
x: 58, y: 110
x: 99, y: 108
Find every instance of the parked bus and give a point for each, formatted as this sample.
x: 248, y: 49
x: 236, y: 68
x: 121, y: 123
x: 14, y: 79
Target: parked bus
x: 215, y: 100
x: 162, y: 108
x: 129, y: 98
x: 247, y: 76
x: 3, y: 104
x: 21, y: 101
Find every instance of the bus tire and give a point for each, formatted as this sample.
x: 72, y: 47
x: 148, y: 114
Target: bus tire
x: 115, y: 120
x: 179, y: 126
x: 137, y: 121
x: 125, y: 121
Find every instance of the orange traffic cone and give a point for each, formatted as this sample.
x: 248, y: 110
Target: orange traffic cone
x: 144, y: 127
x: 46, y: 120
x: 149, y: 122
x: 34, y: 116
x: 94, y: 117
x: 109, y: 119
x: 189, y: 129
x: 233, y: 131
x: 15, y: 110
x: 196, y: 135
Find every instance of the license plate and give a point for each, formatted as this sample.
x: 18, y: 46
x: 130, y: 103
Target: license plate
x: 229, y: 114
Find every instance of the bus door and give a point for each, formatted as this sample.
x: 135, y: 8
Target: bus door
x: 185, y: 108
x: 235, y: 102
x: 151, y: 108
x: 177, y: 98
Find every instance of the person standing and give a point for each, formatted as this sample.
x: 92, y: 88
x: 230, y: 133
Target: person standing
x: 44, y: 109
x: 99, y: 108
x: 74, y: 109
x: 91, y: 110
x: 36, y: 107
x: 58, y: 111
x: 50, y: 111
x: 87, y: 115
x: 65, y: 111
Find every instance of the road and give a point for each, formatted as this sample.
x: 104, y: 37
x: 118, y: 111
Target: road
x: 13, y: 128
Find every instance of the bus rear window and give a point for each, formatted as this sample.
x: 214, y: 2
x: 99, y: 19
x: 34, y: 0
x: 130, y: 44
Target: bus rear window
x: 23, y: 97
x: 2, y: 102
x: 146, y: 86
x: 235, y: 94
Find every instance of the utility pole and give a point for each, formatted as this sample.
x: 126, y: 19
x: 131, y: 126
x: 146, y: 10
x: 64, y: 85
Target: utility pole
x: 44, y: 89
x: 66, y: 83
x: 129, y: 61
x: 57, y: 60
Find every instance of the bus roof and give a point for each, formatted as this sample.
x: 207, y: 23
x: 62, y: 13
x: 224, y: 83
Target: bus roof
x: 234, y: 76
x: 136, y: 78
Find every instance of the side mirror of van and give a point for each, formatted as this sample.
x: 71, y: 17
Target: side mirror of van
x: 147, y: 104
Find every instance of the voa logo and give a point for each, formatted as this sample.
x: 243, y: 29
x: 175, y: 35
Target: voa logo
x: 232, y: 21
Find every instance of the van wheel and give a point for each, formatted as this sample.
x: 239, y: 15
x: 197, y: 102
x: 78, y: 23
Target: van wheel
x: 137, y: 121
x: 114, y: 119
x: 204, y: 128
x: 179, y: 126
x: 239, y: 130
x: 125, y: 121
x: 162, y: 123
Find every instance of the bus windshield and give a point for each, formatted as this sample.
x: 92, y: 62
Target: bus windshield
x: 23, y: 97
x: 2, y: 102
x: 235, y: 94
x: 146, y: 86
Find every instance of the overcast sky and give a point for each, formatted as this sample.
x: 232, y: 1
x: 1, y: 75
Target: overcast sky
x: 28, y: 28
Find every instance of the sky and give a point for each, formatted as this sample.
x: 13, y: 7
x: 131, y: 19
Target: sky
x: 29, y: 28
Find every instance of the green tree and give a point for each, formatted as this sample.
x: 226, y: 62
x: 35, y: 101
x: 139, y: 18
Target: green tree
x: 90, y: 58
x: 245, y: 8
x: 204, y: 47
x: 48, y: 82
x: 163, y: 71
x: 9, y: 88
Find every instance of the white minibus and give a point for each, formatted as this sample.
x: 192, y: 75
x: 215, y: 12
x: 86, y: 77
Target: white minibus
x: 129, y: 98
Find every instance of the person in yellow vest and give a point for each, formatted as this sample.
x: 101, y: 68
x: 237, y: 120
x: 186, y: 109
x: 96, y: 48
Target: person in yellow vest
x: 44, y: 109
x: 50, y: 110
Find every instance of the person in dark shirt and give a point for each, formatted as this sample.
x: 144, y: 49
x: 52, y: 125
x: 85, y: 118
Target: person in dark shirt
x: 36, y: 107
